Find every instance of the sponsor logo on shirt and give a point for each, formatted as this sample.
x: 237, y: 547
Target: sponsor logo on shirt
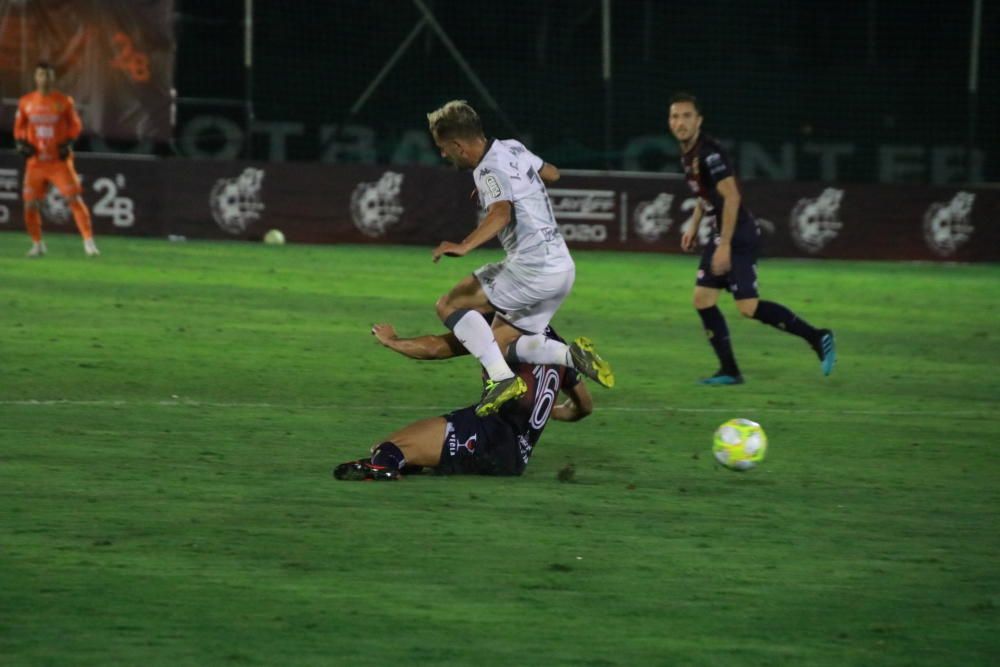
x: 715, y: 164
x: 524, y: 447
x: 492, y: 186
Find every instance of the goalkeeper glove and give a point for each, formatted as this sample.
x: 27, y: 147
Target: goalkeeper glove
x: 65, y: 149
x: 25, y: 149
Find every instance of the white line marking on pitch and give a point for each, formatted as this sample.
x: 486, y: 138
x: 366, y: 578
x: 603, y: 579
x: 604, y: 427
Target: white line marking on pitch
x: 986, y: 412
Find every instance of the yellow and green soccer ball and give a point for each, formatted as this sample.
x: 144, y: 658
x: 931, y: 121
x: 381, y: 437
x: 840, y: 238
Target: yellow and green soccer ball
x: 739, y: 444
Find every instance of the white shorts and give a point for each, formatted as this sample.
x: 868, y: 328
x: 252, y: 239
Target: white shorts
x: 527, y: 300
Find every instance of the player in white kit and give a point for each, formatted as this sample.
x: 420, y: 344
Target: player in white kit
x: 528, y: 286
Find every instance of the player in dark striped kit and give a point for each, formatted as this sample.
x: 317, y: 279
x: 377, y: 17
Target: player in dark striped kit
x: 729, y: 260
x: 461, y: 442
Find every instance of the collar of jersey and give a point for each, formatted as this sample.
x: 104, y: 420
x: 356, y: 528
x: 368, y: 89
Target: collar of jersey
x: 690, y: 151
x: 489, y: 146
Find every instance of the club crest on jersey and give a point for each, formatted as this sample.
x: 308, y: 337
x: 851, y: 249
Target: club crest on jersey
x: 470, y: 444
x: 454, y: 445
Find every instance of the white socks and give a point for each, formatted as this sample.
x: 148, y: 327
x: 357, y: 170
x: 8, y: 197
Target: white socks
x: 477, y: 337
x: 539, y: 349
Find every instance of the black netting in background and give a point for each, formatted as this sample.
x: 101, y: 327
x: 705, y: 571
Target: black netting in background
x: 870, y: 73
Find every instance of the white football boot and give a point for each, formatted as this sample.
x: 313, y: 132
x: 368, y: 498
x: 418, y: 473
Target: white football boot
x: 90, y: 248
x: 37, y: 249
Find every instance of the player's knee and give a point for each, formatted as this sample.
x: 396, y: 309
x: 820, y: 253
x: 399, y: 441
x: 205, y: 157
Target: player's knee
x: 444, y: 307
x: 702, y: 301
x: 747, y: 307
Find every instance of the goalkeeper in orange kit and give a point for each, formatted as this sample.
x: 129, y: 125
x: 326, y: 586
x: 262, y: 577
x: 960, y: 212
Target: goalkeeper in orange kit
x: 45, y: 128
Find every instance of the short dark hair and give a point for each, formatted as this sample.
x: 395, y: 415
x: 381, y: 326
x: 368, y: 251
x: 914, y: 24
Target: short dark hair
x: 686, y: 97
x: 45, y: 64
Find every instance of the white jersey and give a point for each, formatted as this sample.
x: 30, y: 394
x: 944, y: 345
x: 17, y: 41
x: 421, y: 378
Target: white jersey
x: 510, y: 172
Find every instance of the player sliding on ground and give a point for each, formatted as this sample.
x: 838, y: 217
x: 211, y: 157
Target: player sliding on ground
x: 528, y: 286
x: 461, y: 442
x: 729, y: 260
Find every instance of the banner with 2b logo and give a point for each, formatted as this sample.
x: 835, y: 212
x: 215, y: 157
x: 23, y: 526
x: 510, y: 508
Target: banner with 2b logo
x: 332, y: 203
x: 123, y: 196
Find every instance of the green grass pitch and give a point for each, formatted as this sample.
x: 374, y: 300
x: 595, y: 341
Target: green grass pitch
x: 170, y: 413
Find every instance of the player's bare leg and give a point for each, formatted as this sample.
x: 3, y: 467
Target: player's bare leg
x: 466, y: 294
x: 705, y: 301
x: 421, y: 441
x: 460, y: 310
x: 414, y: 446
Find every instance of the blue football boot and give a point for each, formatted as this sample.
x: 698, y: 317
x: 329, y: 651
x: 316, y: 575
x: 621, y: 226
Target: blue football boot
x: 826, y: 350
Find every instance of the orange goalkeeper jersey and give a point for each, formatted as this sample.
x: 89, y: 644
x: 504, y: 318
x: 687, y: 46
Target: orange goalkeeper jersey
x: 45, y: 121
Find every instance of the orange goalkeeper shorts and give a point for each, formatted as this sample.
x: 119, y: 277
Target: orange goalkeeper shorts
x: 60, y: 174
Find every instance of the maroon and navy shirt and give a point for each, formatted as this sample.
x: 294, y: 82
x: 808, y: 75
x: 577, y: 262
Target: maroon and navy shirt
x: 528, y: 415
x: 704, y: 166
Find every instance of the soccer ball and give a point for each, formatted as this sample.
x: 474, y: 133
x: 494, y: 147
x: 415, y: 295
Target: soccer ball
x: 274, y: 237
x: 739, y: 444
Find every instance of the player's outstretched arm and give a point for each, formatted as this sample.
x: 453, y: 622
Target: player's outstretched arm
x: 443, y: 346
x: 578, y: 405
x: 496, y: 219
x: 549, y: 173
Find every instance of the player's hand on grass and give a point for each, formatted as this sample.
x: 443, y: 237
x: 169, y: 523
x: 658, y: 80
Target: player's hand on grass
x: 384, y: 333
x: 450, y: 249
x: 721, y: 259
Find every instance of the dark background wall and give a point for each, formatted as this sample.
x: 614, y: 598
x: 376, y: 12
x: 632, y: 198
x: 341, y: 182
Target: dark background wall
x: 779, y: 73
x: 862, y: 91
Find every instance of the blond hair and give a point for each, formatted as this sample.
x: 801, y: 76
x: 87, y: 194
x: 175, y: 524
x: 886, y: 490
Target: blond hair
x: 456, y: 119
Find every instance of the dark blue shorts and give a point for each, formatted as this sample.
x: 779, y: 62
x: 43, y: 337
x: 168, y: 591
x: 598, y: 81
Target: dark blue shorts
x: 741, y: 279
x: 478, y: 446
